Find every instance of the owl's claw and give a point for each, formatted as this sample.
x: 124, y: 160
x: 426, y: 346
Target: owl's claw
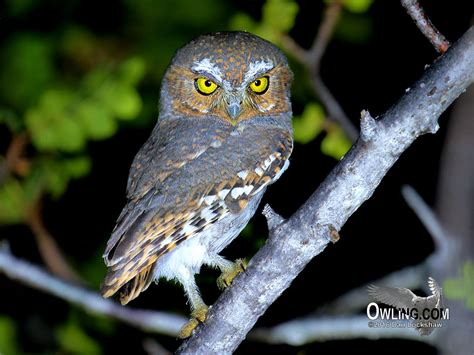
x: 227, y: 276
x: 200, y: 313
x: 197, y: 316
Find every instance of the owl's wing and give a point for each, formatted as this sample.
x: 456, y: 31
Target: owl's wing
x: 436, y: 299
x: 393, y: 296
x: 198, y: 177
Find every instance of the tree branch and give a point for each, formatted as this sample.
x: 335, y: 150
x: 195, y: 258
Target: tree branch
x: 416, y: 12
x: 311, y: 60
x: 33, y: 276
x: 48, y: 248
x: 307, y: 330
x: 428, y: 218
x: 14, y: 160
x: 293, y: 243
x: 324, y: 34
x: 355, y: 299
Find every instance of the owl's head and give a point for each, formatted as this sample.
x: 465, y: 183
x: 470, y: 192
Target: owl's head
x: 233, y: 76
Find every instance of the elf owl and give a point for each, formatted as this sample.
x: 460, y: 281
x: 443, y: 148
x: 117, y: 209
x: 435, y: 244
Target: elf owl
x: 223, y: 135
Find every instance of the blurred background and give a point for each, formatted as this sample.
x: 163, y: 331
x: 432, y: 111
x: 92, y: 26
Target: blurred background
x: 79, y: 88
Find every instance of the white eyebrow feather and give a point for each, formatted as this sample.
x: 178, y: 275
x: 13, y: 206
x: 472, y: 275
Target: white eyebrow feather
x: 255, y: 68
x: 205, y: 65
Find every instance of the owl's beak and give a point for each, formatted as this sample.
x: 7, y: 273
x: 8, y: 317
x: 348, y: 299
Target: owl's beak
x: 233, y: 108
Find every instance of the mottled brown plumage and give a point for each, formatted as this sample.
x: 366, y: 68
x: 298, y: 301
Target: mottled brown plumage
x: 200, y: 176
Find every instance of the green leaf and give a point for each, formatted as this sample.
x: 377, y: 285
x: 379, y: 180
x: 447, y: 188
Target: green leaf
x: 454, y: 288
x: 55, y: 174
x: 13, y: 204
x: 335, y: 144
x: 470, y: 302
x: 32, y: 185
x: 279, y: 14
x: 242, y: 22
x: 93, y: 270
x: 70, y: 136
x: 357, y: 6
x: 309, y: 125
x: 8, y: 340
x: 122, y: 100
x: 248, y: 230
x: 42, y: 136
x: 462, y: 288
x: 53, y: 179
x: 132, y: 70
x: 26, y: 68
x: 354, y: 28
x: 52, y: 124
x: 74, y: 340
x: 468, y: 271
x: 77, y: 167
x: 56, y: 101
x: 96, y: 119
x: 11, y: 120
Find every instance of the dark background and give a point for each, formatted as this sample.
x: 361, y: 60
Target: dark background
x: 382, y: 236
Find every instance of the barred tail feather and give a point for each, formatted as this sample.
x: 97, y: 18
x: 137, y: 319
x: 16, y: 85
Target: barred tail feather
x: 131, y: 289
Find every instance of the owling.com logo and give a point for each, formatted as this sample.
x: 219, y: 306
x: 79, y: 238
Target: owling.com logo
x: 422, y: 313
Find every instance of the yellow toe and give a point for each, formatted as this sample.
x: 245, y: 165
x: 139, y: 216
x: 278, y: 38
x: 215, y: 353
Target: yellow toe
x: 200, y: 313
x: 188, y: 328
x: 227, y: 276
x: 197, y: 316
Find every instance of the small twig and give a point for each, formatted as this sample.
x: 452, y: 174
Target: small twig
x: 334, y: 109
x: 294, y: 49
x: 324, y: 34
x: 368, y: 126
x: 34, y: 276
x: 307, y: 330
x: 427, y: 218
x: 48, y: 248
x: 416, y: 12
x: 13, y: 157
x: 273, y: 218
x: 311, y: 60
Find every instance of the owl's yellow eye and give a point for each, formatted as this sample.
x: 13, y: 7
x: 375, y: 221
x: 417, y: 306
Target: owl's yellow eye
x: 205, y: 86
x: 260, y: 85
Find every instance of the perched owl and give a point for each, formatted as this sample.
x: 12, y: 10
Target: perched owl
x: 223, y: 135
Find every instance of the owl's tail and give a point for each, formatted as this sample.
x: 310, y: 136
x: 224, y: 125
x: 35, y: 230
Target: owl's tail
x: 131, y: 289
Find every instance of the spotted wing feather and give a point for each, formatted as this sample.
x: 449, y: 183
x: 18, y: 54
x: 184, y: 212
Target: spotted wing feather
x: 191, y: 191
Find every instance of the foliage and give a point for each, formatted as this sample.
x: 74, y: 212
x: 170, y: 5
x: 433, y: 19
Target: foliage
x: 59, y: 115
x: 462, y: 288
x: 335, y: 143
x: 309, y: 124
x: 278, y: 17
x: 357, y: 6
x: 74, y: 340
x: 8, y: 341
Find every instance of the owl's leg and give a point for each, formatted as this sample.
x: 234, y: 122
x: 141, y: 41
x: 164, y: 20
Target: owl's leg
x: 228, y: 268
x: 198, y: 307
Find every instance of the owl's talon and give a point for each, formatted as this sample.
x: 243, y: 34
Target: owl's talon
x: 197, y: 316
x: 188, y: 328
x: 200, y: 313
x: 227, y: 276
